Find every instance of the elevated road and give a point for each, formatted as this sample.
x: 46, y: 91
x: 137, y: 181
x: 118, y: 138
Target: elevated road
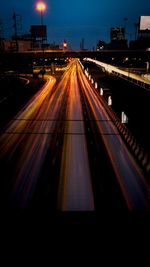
x: 23, y: 61
x: 130, y: 76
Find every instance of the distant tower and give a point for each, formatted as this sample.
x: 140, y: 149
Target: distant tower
x: 125, y: 26
x: 136, y: 30
x: 82, y: 44
x: 117, y: 34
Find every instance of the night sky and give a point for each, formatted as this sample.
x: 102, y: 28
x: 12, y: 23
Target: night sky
x: 75, y: 19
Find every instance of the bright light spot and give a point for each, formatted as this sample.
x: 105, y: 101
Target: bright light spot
x: 65, y: 44
x: 40, y: 6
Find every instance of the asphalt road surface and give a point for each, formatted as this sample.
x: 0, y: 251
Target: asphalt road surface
x: 45, y: 157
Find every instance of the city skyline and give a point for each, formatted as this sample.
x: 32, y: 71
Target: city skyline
x: 73, y: 21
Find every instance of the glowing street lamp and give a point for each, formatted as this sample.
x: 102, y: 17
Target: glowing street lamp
x: 41, y: 7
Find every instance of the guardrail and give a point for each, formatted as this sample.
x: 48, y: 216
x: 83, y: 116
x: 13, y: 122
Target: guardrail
x: 141, y: 156
x: 129, y: 76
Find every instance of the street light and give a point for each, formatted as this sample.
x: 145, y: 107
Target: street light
x: 41, y: 7
x: 65, y: 45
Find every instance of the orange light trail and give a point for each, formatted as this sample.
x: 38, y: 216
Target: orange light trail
x: 130, y: 178
x: 75, y: 190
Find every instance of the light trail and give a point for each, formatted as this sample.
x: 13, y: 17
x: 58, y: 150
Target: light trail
x: 110, y: 68
x: 26, y: 141
x: 28, y: 151
x: 75, y: 190
x: 130, y: 177
x: 23, y: 144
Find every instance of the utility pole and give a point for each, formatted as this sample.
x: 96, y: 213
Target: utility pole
x: 15, y: 31
x: 41, y: 7
x: 16, y: 26
x: 1, y: 36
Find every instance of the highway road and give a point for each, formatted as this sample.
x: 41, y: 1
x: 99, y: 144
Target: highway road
x: 51, y: 128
